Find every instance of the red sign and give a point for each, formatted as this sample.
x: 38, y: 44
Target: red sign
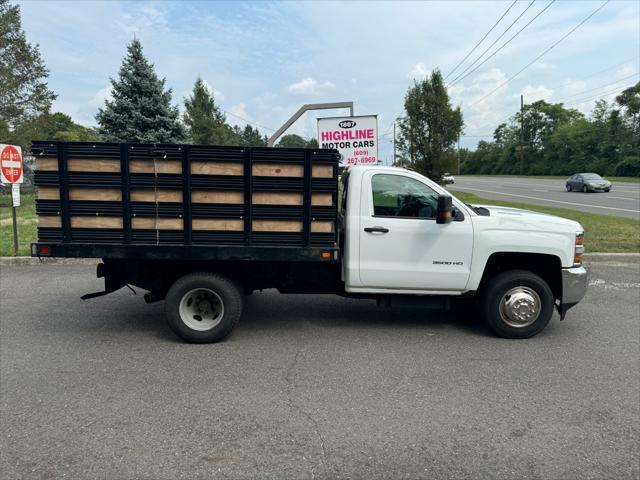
x: 10, y: 164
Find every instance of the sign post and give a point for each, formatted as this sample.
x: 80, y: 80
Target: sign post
x: 356, y: 138
x: 11, y: 172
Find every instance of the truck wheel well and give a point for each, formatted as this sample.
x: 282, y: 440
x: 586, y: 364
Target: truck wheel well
x: 547, y: 267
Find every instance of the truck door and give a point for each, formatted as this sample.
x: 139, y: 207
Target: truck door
x: 401, y: 245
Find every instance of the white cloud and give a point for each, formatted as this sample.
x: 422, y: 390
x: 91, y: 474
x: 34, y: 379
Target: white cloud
x: 570, y: 87
x: 533, y: 93
x: 418, y: 72
x: 626, y: 70
x: 142, y: 18
x: 238, y: 113
x: 217, y: 94
x: 99, y: 98
x: 310, y: 86
x: 482, y: 117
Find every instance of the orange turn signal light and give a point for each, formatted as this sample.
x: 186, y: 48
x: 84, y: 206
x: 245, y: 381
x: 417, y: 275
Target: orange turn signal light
x: 326, y: 254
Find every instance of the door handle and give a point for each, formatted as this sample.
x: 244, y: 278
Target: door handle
x: 376, y: 230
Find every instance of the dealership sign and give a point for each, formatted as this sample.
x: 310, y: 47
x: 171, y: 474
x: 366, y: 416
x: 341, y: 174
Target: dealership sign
x: 356, y: 138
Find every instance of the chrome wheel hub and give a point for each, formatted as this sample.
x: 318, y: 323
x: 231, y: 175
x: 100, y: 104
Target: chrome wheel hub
x: 201, y: 309
x: 520, y: 307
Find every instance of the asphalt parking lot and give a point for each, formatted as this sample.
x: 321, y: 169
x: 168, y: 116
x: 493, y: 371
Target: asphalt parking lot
x: 313, y: 387
x: 623, y: 200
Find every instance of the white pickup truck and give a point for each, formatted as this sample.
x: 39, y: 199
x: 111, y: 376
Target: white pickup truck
x: 398, y: 238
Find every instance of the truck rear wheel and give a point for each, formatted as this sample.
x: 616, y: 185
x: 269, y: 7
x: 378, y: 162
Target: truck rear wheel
x: 517, y: 304
x: 203, y: 307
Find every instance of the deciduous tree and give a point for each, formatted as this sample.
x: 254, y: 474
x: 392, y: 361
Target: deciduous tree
x: 296, y: 141
x: 24, y: 92
x: 430, y: 128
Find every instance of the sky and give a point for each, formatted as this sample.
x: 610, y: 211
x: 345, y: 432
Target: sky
x: 263, y: 60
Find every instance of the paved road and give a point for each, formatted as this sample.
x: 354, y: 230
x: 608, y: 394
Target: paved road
x: 623, y: 200
x: 312, y: 387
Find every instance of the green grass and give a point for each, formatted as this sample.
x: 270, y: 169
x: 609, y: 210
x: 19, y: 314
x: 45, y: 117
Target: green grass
x: 557, y: 177
x: 603, y: 233
x: 27, y: 225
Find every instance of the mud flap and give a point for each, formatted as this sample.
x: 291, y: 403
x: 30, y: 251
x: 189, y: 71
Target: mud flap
x: 111, y: 283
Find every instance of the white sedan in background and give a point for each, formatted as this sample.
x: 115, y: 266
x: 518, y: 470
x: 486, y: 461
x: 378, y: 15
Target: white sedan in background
x: 447, y: 178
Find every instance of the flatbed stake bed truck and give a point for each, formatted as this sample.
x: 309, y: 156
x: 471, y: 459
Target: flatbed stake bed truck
x: 202, y: 226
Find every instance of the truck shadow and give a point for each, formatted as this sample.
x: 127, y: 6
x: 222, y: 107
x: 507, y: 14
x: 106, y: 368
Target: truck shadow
x: 273, y: 311
x: 269, y: 311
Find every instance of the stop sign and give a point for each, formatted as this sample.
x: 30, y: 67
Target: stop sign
x: 11, y: 164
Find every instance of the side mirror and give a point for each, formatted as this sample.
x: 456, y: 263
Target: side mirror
x: 445, y: 210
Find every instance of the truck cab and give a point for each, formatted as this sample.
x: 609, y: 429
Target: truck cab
x: 395, y: 243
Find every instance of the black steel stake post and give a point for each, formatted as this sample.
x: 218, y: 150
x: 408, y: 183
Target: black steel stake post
x: 15, y: 230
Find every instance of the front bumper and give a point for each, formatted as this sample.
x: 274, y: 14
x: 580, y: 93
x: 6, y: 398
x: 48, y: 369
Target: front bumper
x: 574, y: 286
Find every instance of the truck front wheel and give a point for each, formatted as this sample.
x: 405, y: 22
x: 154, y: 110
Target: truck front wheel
x: 517, y: 304
x: 203, y: 307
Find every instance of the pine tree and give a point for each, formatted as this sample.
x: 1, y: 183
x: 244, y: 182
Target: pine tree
x: 141, y: 109
x: 251, y: 137
x: 24, y: 93
x: 206, y: 123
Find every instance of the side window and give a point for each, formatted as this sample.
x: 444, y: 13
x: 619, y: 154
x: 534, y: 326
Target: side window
x: 400, y: 196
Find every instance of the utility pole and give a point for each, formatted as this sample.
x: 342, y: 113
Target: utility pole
x: 458, y: 169
x: 521, y: 132
x: 394, y: 142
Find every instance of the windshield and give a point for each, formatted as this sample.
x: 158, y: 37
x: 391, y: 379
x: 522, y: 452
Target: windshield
x: 591, y: 176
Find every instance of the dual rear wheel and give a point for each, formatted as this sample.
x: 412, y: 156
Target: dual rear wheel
x: 203, y: 307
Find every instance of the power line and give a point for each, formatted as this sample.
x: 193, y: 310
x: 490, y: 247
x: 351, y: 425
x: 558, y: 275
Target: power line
x: 539, y: 56
x: 597, y: 88
x: 599, y: 95
x: 494, y: 42
x: 505, y: 43
x: 609, y: 68
x: 575, y: 102
x: 481, y: 40
x: 583, y: 78
x: 248, y: 121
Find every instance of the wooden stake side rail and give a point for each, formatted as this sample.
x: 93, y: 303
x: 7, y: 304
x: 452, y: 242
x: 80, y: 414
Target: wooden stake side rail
x: 158, y: 194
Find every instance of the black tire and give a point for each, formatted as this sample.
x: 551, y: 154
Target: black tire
x: 607, y: 190
x: 568, y: 188
x: 585, y: 189
x: 498, y: 286
x: 228, y: 295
